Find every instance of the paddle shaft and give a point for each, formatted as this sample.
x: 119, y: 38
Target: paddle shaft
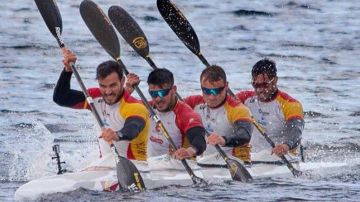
x: 195, y: 48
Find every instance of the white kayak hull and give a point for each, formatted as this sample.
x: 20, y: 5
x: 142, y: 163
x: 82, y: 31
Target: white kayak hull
x: 101, y: 176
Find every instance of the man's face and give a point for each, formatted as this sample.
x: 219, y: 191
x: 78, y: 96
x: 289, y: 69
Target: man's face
x: 214, y: 93
x: 264, y: 87
x: 163, y: 96
x: 111, y: 88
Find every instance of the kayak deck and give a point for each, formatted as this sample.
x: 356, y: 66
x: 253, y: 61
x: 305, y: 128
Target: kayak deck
x: 104, y: 178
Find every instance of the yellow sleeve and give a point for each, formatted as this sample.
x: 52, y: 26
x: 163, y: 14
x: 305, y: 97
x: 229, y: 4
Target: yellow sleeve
x: 237, y: 113
x: 138, y: 146
x: 133, y: 110
x: 291, y: 109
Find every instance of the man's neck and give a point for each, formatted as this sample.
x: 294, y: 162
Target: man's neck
x: 272, y: 96
x: 219, y: 105
x: 171, y: 105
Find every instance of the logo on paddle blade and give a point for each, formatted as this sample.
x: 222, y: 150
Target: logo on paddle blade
x: 137, y: 180
x: 139, y: 42
x: 58, y: 34
x: 133, y: 188
x: 233, y: 169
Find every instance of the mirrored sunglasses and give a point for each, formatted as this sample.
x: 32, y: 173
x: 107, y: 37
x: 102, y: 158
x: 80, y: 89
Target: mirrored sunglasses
x: 212, y: 91
x: 159, y: 93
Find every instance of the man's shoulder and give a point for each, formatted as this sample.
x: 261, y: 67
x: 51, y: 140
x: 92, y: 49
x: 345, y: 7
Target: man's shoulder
x: 94, y: 92
x: 131, y: 106
x: 194, y: 100
x: 245, y: 95
x: 182, y: 107
x: 285, y: 97
x: 128, y: 99
x: 233, y: 102
x: 183, y: 111
x: 186, y: 117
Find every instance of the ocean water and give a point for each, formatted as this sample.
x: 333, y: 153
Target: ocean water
x: 315, y: 44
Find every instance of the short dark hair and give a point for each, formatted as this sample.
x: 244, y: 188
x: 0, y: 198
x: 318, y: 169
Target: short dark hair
x: 160, y: 77
x: 264, y: 66
x: 213, y: 73
x: 106, y: 68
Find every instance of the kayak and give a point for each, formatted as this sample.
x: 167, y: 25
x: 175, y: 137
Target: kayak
x: 157, y: 172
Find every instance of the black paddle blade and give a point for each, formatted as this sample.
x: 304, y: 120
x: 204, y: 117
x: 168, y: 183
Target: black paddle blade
x: 179, y: 24
x: 100, y: 26
x: 296, y: 173
x: 199, y: 181
x: 52, y: 17
x: 129, y: 30
x: 128, y: 176
x: 238, y: 171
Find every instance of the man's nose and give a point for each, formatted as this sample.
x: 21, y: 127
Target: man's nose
x: 107, y: 91
x: 211, y: 96
x: 158, y: 99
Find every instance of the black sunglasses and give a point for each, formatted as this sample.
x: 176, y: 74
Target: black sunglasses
x: 262, y: 85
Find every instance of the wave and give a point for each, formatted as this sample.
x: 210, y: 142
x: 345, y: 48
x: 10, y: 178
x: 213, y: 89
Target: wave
x: 243, y: 12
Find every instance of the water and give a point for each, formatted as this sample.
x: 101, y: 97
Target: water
x: 315, y: 45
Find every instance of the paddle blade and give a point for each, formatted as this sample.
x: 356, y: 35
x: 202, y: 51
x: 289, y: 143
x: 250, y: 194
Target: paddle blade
x: 179, y: 24
x: 129, y: 30
x: 238, y: 171
x: 128, y: 176
x: 100, y: 26
x: 52, y: 17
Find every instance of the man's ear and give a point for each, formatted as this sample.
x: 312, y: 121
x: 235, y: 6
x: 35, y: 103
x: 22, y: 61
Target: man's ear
x: 275, y: 79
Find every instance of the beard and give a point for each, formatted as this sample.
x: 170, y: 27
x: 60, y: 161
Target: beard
x: 112, y: 98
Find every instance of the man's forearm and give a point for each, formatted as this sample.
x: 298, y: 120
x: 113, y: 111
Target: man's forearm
x: 241, y: 134
x: 196, y: 136
x: 132, y: 128
x: 293, y: 131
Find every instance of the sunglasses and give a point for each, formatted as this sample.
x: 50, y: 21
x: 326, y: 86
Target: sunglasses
x: 262, y: 85
x: 159, y: 93
x: 212, y: 91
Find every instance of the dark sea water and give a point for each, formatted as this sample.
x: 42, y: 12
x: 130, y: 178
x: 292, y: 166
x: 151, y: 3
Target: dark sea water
x: 316, y: 46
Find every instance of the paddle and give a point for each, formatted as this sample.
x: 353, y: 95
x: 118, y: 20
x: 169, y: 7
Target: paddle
x: 183, y: 29
x: 52, y: 17
x: 133, y: 34
x: 103, y: 31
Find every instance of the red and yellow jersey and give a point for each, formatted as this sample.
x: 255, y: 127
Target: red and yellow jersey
x: 114, y: 116
x: 271, y: 115
x: 176, y: 122
x: 221, y: 120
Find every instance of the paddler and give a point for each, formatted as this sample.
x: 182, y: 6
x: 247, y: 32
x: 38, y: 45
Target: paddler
x: 126, y: 119
x: 182, y: 123
x: 277, y: 112
x: 227, y: 120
